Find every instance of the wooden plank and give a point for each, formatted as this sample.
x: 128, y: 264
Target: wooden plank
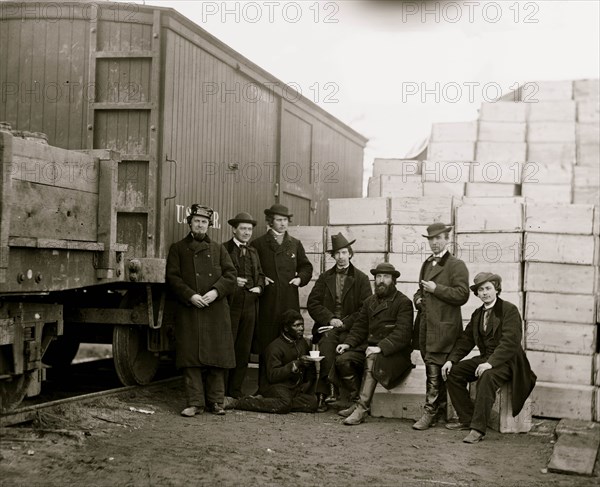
x: 502, y: 131
x: 551, y: 152
x: 567, y: 368
x: 588, y: 111
x: 576, y: 450
x: 586, y: 195
x: 496, y: 172
x: 369, y: 238
x: 399, y: 167
x: 454, y: 132
x: 409, y: 265
x: 586, y: 176
x: 419, y: 211
x: 501, y: 418
x: 304, y: 291
x: 408, y: 239
x: 405, y: 401
x: 356, y: 211
x: 596, y: 229
x: 487, y: 201
x: 408, y: 289
x: 547, y: 173
x: 597, y: 374
x: 549, y: 90
x: 511, y: 273
x: 516, y: 298
x: 588, y: 155
x: 503, y: 112
x: 559, y: 249
x: 393, y: 186
x: 312, y: 237
x: 492, y: 218
x: 588, y: 133
x: 445, y: 171
x: 551, y: 132
x: 443, y: 189
x: 489, y: 247
x: 572, y: 308
x: 586, y: 88
x: 560, y: 278
x: 451, y: 151
x: 374, y: 187
x: 561, y: 337
x: 556, y: 218
x: 563, y: 401
x: 490, y: 189
x: 317, y: 261
x: 551, y: 193
x: 500, y: 151
x: 552, y: 111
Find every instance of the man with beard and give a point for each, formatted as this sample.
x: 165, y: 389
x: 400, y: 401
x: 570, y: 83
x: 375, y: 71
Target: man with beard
x: 334, y: 304
x: 290, y: 373
x: 201, y: 276
x: 286, y: 268
x: 443, y: 289
x: 385, y: 324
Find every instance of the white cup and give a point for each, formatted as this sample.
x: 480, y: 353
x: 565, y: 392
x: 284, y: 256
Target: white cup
x: 314, y: 354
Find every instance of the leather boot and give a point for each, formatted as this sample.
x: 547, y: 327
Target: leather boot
x: 352, y: 384
x: 348, y: 411
x: 424, y: 422
x: 357, y: 417
x: 321, y: 404
x: 331, y: 397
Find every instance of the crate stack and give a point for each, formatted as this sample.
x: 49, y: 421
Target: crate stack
x: 561, y: 283
x: 394, y: 178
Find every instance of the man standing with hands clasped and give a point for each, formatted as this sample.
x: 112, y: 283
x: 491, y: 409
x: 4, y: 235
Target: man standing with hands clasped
x: 443, y: 289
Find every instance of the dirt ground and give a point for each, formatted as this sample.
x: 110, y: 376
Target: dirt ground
x: 103, y: 443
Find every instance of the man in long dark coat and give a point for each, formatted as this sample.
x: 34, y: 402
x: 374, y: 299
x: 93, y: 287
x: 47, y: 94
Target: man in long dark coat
x: 201, y: 276
x: 334, y: 303
x: 443, y: 289
x: 244, y: 301
x: 385, y: 323
x: 286, y: 268
x: 496, y: 329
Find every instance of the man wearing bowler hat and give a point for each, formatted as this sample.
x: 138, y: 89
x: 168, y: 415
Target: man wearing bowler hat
x: 201, y: 276
x: 244, y: 301
x: 334, y: 304
x: 496, y: 329
x: 385, y: 324
x: 286, y: 268
x: 443, y: 289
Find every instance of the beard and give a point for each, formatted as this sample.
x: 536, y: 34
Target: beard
x: 198, y: 236
x: 383, y: 290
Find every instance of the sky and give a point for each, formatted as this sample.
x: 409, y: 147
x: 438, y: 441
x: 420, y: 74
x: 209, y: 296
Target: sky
x: 389, y: 69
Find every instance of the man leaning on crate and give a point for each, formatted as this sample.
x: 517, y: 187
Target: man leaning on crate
x: 201, y: 276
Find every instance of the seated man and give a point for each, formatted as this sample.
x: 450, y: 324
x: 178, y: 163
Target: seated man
x: 290, y: 373
x: 385, y: 324
x: 496, y: 330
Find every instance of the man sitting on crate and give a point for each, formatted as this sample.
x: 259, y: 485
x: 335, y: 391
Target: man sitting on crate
x: 334, y: 304
x: 290, y: 373
x: 385, y: 324
x: 496, y: 330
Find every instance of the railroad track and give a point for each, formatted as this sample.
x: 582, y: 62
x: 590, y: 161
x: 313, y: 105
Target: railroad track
x: 29, y: 413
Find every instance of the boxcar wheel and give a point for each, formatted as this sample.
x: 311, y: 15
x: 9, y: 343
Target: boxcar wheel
x: 133, y: 362
x: 13, y: 391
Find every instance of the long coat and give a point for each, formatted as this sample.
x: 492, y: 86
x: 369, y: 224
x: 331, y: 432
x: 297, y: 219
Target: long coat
x: 386, y: 324
x: 439, y: 321
x: 506, y: 324
x: 257, y: 272
x: 202, y: 335
x: 281, y: 263
x: 321, y: 300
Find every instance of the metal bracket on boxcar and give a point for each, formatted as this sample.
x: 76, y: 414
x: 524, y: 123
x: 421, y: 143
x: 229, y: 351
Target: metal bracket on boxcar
x: 175, y: 191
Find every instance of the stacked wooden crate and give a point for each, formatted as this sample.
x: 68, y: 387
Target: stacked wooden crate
x: 587, y: 172
x: 395, y: 177
x: 561, y: 285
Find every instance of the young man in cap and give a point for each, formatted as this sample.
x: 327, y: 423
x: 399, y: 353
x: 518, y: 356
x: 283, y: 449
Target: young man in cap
x: 201, y: 276
x: 496, y: 329
x: 443, y: 289
x: 385, y: 324
x: 290, y: 373
x: 244, y: 301
x: 286, y: 268
x: 334, y: 304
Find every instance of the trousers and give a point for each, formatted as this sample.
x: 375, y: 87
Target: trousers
x: 279, y: 399
x: 204, y: 384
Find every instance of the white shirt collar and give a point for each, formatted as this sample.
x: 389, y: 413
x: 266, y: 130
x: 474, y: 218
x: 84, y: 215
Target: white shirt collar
x: 276, y: 232
x: 442, y: 253
x: 486, y: 307
x: 237, y: 242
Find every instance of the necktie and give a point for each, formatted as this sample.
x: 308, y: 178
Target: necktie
x: 486, y: 317
x: 243, y: 249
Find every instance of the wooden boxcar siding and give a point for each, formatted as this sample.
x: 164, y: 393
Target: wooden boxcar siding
x: 205, y: 134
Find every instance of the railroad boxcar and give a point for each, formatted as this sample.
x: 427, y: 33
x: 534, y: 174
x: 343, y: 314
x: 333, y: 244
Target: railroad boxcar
x: 144, y: 113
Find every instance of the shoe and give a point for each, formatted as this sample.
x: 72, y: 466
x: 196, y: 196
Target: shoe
x: 192, y: 411
x: 474, y: 436
x: 348, y: 411
x: 357, y: 417
x: 215, y: 408
x: 425, y: 422
x: 331, y: 397
x: 321, y: 405
x: 230, y: 402
x: 458, y: 426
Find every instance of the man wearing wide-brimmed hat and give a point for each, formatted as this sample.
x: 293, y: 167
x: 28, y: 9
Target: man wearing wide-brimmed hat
x: 496, y: 330
x: 334, y: 304
x: 286, y: 268
x: 243, y: 303
x: 385, y: 324
x: 443, y: 289
x: 201, y: 276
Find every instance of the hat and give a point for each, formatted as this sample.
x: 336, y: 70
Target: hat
x: 484, y: 277
x: 386, y: 268
x: 242, y: 217
x: 339, y: 242
x: 200, y: 210
x: 436, y: 228
x: 278, y: 209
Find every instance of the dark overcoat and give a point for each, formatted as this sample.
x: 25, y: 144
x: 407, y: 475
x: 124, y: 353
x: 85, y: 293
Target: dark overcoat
x: 321, y: 300
x: 257, y: 272
x: 507, y: 325
x: 386, y: 324
x: 281, y: 263
x: 439, y: 321
x: 202, y: 335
